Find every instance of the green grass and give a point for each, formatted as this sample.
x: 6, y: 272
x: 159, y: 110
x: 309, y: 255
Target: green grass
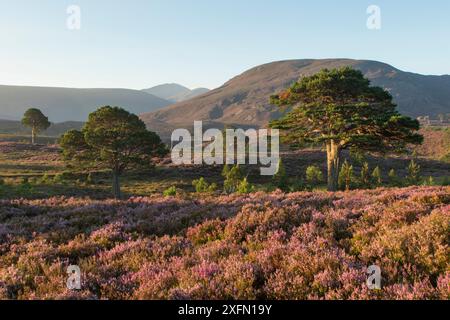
x: 19, y: 161
x: 14, y: 187
x: 27, y: 138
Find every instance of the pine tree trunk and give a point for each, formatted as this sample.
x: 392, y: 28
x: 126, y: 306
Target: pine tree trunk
x: 333, y: 159
x: 33, y: 135
x: 116, y: 185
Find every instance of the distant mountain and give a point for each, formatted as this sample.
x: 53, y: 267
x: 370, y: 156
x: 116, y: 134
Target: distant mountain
x: 244, y: 100
x: 174, y: 92
x: 55, y: 130
x: 66, y: 104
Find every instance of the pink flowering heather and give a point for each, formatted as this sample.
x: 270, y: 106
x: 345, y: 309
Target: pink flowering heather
x: 257, y: 246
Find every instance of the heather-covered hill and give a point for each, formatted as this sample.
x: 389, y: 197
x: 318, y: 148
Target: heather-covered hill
x: 436, y: 145
x: 258, y: 246
x: 244, y: 100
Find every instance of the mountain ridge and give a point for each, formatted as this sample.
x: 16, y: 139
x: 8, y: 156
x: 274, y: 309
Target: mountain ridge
x: 175, y: 92
x: 72, y: 104
x: 244, y: 99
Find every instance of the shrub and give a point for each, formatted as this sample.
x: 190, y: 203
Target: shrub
x: 225, y: 171
x: 244, y: 187
x: 58, y: 178
x: 394, y: 180
x: 201, y: 186
x: 45, y: 179
x: 445, y: 181
x: 24, y: 181
x: 90, y: 178
x: 299, y: 185
x: 429, y: 181
x: 376, y: 177
x: 365, y: 175
x: 413, y: 177
x: 314, y: 175
x: 346, y: 176
x: 233, y: 179
x: 280, y: 179
x: 170, y: 192
x: 2, y: 186
x: 25, y: 188
x: 33, y: 180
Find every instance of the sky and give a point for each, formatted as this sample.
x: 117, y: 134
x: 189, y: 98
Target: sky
x: 203, y: 43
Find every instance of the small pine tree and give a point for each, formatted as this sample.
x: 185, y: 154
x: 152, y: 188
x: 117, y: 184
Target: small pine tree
x: 233, y: 179
x: 314, y: 175
x: 430, y: 181
x: 365, y: 175
x: 376, y: 177
x: 170, y: 192
x: 89, y: 179
x: 58, y: 178
x: 212, y: 188
x: 413, y: 177
x: 202, y: 186
x: 345, y: 176
x: 394, y: 181
x: 45, y: 179
x: 280, y: 178
x: 244, y: 187
x: 225, y: 171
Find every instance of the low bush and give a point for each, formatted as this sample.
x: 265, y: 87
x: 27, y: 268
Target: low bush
x: 346, y: 176
x: 170, y: 192
x: 314, y: 175
x: 202, y: 186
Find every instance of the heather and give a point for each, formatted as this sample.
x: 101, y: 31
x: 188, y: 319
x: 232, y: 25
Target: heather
x: 276, y: 245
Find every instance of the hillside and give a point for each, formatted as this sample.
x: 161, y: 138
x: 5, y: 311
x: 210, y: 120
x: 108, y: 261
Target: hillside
x: 55, y: 130
x: 174, y: 92
x: 244, y: 100
x: 66, y: 104
x: 436, y: 145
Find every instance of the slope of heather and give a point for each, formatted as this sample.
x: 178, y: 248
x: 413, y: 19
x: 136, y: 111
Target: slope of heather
x: 436, y: 145
x: 66, y: 104
x: 260, y: 246
x: 244, y: 99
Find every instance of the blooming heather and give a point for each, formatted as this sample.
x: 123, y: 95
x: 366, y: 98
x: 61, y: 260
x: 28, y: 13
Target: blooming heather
x: 257, y: 246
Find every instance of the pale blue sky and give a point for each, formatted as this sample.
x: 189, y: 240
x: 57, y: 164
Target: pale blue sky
x: 141, y: 43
